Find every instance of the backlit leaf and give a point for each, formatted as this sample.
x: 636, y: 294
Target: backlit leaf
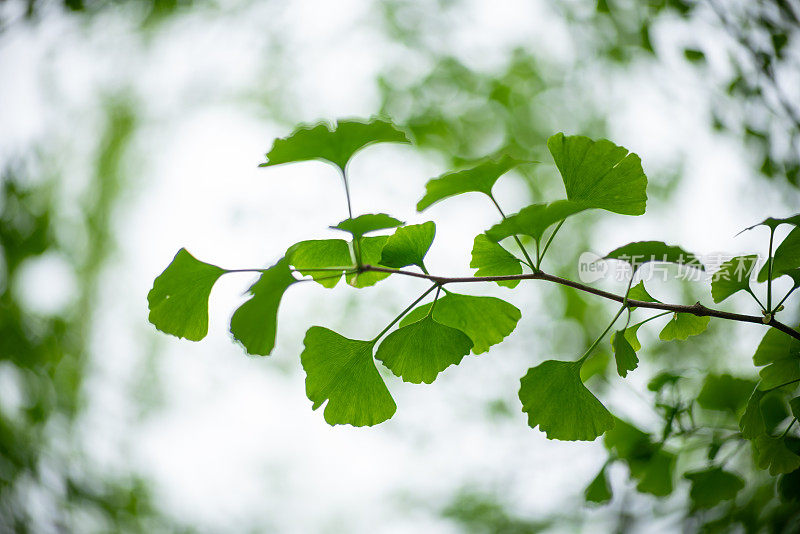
x: 600, y: 174
x: 178, y: 301
x: 371, y: 249
x: 308, y: 256
x: 492, y: 259
x: 624, y: 354
x: 641, y: 252
x: 732, y: 276
x: 725, y: 393
x: 364, y: 224
x: 712, y: 486
x: 638, y: 292
x: 781, y: 355
x: 533, y: 220
x: 333, y: 143
x: 486, y: 320
x: 630, y: 336
x: 480, y: 179
x: 408, y: 245
x: 342, y: 372
x: 420, y: 351
x: 785, y: 258
x: 255, y: 323
x: 599, y: 490
x: 683, y: 325
x: 556, y: 401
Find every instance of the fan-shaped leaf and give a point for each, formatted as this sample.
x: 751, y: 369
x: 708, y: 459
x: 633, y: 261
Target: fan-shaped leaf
x: 314, y: 257
x: 364, y: 224
x: 732, y: 276
x: 786, y: 257
x: 408, y: 245
x: 641, y: 252
x: 342, y: 372
x: 624, y: 353
x: 781, y: 355
x: 556, y: 401
x: 599, y: 491
x: 712, y: 486
x: 178, y: 301
x: 371, y: 248
x: 533, y: 220
x: 772, y: 453
x: 683, y: 325
x: 752, y: 422
x: 492, y: 259
x: 725, y: 393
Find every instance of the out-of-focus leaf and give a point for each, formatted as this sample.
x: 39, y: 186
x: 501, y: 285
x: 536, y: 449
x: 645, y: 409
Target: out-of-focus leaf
x: 651, y: 465
x: 794, y: 405
x: 599, y: 490
x: 491, y: 259
x: 712, y: 486
x: 342, y: 372
x: 683, y: 325
x: 781, y: 355
x: 486, y: 320
x: 255, y: 323
x: 479, y: 179
x: 178, y: 301
x: 732, y: 276
x: 600, y: 174
x: 408, y: 245
x: 725, y: 393
x: 556, y: 401
x: 752, y: 422
x: 663, y: 378
x: 333, y: 143
x: 420, y: 351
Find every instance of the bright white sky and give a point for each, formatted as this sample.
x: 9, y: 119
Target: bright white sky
x: 233, y: 441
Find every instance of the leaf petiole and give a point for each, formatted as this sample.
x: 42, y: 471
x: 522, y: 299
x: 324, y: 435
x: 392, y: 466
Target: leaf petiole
x: 601, y: 336
x: 549, y: 240
x: 402, y: 313
x: 528, y: 259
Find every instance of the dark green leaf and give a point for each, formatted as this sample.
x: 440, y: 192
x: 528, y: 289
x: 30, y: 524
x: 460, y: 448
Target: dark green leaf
x: 725, y: 393
x: 178, y: 301
x: 662, y: 379
x: 712, y: 486
x: 486, y: 320
x: 648, y: 462
x: 335, y: 144
x: 371, y: 249
x: 493, y: 260
x: 479, y: 179
x: 683, y: 325
x: 600, y: 174
x: 772, y: 453
x: 789, y: 486
x: 624, y: 353
x: 534, y: 220
x: 794, y: 405
x: 364, y: 224
x: 255, y: 323
x: 693, y: 55
x: 342, y: 372
x: 556, y: 401
x: 641, y: 252
x: 786, y: 257
x: 781, y: 355
x: 420, y: 351
x: 408, y: 245
x: 752, y: 422
x: 599, y: 491
x: 308, y: 256
x: 732, y: 276
x: 773, y: 223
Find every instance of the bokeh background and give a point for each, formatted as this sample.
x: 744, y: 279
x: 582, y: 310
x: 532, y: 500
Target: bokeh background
x: 129, y: 129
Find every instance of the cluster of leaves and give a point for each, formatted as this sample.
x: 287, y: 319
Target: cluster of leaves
x: 342, y: 375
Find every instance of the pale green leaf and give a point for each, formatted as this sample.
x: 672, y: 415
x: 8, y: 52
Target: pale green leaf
x: 630, y: 336
x: 533, y: 220
x: 638, y: 292
x: 712, y: 486
x: 641, y: 252
x: 314, y: 257
x: 732, y: 276
x: 492, y: 259
x: 556, y: 401
x: 420, y: 351
x: 364, y: 224
x: 371, y: 249
x: 599, y: 490
x: 408, y: 245
x: 624, y: 354
x: 255, y: 323
x: 479, y: 179
x: 781, y: 355
x: 333, y: 143
x: 683, y: 325
x: 486, y: 320
x: 178, y: 301
x: 342, y: 372
x: 600, y: 174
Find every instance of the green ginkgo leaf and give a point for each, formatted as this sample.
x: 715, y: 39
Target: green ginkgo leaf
x: 534, y: 220
x: 364, y: 224
x: 780, y: 353
x: 773, y: 454
x: 752, y: 423
x: 420, y: 351
x: 638, y: 292
x: 712, y: 486
x: 408, y: 245
x: 492, y: 259
x: 725, y: 393
x: 648, y: 462
x: 371, y: 249
x: 600, y: 174
x: 624, y: 354
x: 178, y: 301
x: 773, y: 223
x: 786, y: 257
x: 341, y: 372
x: 733, y: 276
x: 556, y: 401
x: 479, y: 179
x: 631, y: 337
x: 683, y: 325
x: 599, y: 490
x: 333, y: 143
x: 486, y: 320
x: 641, y: 252
x: 316, y: 257
x: 255, y: 323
